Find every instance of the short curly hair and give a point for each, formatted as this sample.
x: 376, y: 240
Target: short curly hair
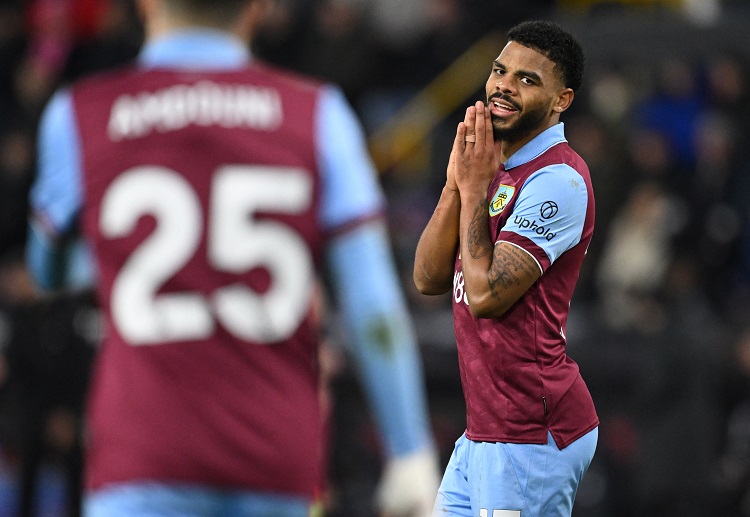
x: 559, y: 45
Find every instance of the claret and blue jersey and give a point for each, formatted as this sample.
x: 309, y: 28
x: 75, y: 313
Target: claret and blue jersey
x: 205, y: 263
x: 518, y: 380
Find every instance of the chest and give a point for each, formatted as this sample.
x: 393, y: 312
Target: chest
x: 502, y: 195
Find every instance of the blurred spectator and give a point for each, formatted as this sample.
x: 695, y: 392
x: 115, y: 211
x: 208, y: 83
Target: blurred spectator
x: 49, y: 356
x: 66, y: 38
x: 599, y: 144
x: 16, y: 170
x: 636, y: 257
x: 283, y: 31
x: 338, y: 48
x: 47, y: 349
x: 732, y: 470
x: 674, y: 108
x: 727, y: 85
x: 53, y: 26
x: 12, y: 46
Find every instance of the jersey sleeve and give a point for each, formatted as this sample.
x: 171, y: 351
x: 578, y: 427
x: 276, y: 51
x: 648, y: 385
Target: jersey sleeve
x: 350, y: 188
x: 365, y: 279
x: 549, y: 215
x: 56, y: 194
x: 382, y: 338
x: 55, y: 200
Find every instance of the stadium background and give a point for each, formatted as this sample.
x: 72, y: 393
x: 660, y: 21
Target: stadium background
x: 660, y: 322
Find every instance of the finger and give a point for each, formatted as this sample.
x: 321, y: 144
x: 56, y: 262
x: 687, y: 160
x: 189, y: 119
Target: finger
x: 460, y: 142
x: 470, y: 122
x: 488, y: 133
x: 454, y: 150
x: 480, y: 124
x: 452, y: 157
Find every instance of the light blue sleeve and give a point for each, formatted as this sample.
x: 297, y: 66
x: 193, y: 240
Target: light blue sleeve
x: 383, y: 340
x: 551, y: 210
x: 380, y: 332
x: 57, y: 191
x: 350, y: 185
x: 55, y: 201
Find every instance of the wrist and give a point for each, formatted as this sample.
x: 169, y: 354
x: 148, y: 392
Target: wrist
x: 451, y: 188
x: 469, y: 196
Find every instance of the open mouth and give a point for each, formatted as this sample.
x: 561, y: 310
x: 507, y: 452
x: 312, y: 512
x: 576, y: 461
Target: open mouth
x: 502, y: 107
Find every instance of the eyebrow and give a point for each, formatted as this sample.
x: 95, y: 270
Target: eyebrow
x: 524, y: 73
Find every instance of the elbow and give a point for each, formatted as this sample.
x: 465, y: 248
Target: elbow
x: 488, y: 306
x: 429, y: 287
x: 422, y: 286
x: 487, y: 312
x: 431, y: 284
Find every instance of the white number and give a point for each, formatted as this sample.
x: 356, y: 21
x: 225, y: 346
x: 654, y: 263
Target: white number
x: 240, y: 243
x: 140, y: 317
x: 458, y: 288
x: 236, y: 242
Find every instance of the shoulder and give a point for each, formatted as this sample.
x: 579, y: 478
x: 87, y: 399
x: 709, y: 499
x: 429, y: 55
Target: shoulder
x: 104, y: 79
x: 555, y: 179
x: 557, y: 171
x: 288, y: 78
x: 554, y: 192
x: 564, y: 154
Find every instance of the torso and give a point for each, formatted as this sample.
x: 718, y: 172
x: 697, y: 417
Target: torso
x: 206, y: 262
x: 517, y: 378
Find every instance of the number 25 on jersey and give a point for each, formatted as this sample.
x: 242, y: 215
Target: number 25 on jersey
x: 236, y: 243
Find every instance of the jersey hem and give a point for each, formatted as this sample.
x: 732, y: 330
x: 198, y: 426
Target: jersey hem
x: 562, y: 443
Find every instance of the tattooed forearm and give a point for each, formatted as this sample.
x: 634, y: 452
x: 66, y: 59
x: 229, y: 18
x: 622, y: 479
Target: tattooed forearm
x: 510, y: 265
x: 478, y: 240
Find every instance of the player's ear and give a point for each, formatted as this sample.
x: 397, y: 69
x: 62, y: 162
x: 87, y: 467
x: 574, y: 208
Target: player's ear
x: 145, y: 8
x: 563, y: 100
x: 251, y: 18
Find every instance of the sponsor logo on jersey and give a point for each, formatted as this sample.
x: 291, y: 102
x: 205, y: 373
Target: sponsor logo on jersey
x: 548, y: 209
x: 501, y: 199
x: 534, y: 226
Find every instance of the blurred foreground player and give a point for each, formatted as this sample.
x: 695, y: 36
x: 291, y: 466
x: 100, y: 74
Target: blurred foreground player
x: 210, y: 189
x: 508, y: 236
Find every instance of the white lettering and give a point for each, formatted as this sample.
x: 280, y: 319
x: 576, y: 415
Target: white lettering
x: 203, y: 104
x: 459, y: 293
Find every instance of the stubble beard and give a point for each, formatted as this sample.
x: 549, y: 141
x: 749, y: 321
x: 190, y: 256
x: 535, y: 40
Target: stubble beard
x: 527, y: 122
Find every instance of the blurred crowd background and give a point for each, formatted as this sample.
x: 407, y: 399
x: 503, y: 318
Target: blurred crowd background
x: 660, y: 323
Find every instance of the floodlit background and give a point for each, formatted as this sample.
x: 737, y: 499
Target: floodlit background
x: 660, y: 323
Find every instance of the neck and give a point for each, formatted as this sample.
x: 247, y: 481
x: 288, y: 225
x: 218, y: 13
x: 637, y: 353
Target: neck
x: 162, y: 18
x: 507, y: 148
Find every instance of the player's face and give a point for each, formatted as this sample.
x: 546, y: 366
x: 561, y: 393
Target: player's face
x: 521, y: 93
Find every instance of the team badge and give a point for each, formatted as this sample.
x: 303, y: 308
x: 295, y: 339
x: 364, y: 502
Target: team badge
x: 501, y: 199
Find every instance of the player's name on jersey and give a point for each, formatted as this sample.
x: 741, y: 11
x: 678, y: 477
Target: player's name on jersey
x: 204, y: 103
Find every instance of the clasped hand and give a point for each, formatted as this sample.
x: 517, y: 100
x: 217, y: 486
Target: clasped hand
x: 473, y: 165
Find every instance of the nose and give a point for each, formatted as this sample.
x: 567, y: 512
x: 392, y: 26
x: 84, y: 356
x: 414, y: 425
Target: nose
x: 504, y: 85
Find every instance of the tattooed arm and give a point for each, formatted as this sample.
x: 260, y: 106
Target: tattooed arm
x: 495, y: 276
